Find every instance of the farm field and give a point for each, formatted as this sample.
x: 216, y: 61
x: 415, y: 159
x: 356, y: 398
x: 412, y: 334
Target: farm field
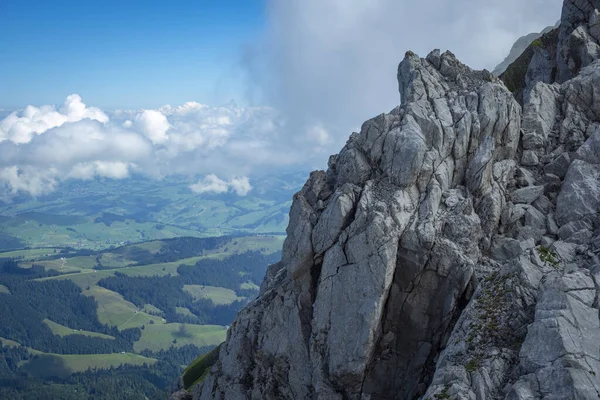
x: 48, y: 364
x: 162, y: 336
x: 79, y: 362
x: 218, y: 295
x: 62, y: 330
x: 114, y: 310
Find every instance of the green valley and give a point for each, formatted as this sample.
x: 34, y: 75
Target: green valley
x: 147, y: 308
x: 110, y: 213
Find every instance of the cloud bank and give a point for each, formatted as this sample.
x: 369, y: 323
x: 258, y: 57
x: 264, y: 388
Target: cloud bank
x: 332, y: 63
x: 42, y: 146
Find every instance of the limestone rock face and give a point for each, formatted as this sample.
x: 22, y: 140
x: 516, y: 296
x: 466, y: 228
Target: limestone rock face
x: 579, y: 42
x: 381, y: 248
x: 435, y: 258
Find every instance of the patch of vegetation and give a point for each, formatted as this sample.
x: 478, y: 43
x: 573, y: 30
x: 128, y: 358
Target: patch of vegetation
x: 8, y: 242
x: 473, y: 364
x: 9, y: 343
x: 168, y: 294
x: 548, y: 256
x: 443, y: 395
x: 181, y: 355
x: 495, y: 304
x: 10, y: 268
x: 196, y: 372
x: 537, y: 43
x: 514, y: 76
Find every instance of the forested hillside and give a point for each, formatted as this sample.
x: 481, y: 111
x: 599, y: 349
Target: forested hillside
x: 120, y: 323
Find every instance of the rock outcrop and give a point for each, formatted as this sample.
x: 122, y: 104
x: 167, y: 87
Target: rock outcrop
x: 449, y: 251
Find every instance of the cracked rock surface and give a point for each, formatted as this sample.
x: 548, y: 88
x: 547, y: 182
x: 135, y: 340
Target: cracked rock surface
x: 449, y: 251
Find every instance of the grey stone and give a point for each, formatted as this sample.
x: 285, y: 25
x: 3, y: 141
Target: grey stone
x: 543, y: 204
x: 524, y: 177
x: 581, y: 107
x: 535, y: 219
x: 576, y: 47
x: 529, y: 158
x: 551, y: 225
x: 515, y: 213
x: 580, y: 193
x: 590, y: 150
x: 541, y: 67
x: 559, y: 166
x: 561, y: 348
x: 529, y: 232
x: 180, y: 395
x: 580, y: 237
x: 565, y: 251
x: 527, y: 195
x: 397, y: 203
x: 552, y: 183
x: 569, y: 229
x: 539, y: 114
x: 506, y: 249
x: 546, y: 241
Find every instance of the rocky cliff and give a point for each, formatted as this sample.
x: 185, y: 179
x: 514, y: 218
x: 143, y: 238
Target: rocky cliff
x: 451, y: 248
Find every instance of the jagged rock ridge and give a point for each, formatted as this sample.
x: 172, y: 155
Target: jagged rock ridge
x: 449, y: 251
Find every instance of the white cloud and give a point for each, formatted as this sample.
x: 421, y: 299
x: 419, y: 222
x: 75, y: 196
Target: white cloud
x: 212, y: 184
x: 107, y: 169
x: 41, y: 146
x: 153, y: 124
x: 320, y: 136
x: 29, y: 180
x: 241, y: 185
x: 20, y: 127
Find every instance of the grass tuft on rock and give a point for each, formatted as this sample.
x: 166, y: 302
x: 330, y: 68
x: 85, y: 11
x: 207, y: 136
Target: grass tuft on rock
x: 198, y: 369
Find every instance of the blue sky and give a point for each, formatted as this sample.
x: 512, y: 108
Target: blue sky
x: 124, y: 54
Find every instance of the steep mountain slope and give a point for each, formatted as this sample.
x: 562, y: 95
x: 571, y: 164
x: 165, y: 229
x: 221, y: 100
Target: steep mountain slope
x: 519, y: 47
x: 451, y: 248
